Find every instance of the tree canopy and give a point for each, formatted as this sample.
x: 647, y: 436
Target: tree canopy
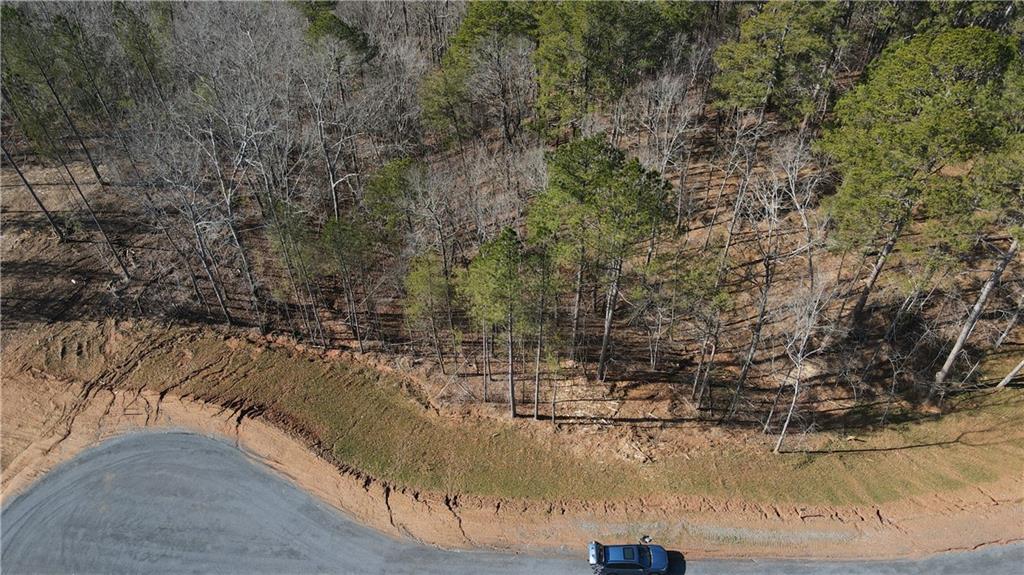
x: 780, y: 60
x: 930, y: 105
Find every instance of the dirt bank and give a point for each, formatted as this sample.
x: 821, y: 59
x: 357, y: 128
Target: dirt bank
x: 59, y: 399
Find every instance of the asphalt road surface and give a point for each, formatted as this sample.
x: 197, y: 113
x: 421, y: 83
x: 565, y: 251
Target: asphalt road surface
x: 184, y: 503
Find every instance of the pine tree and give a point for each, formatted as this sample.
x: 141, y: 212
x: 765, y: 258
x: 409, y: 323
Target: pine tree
x: 929, y: 103
x: 781, y: 60
x: 599, y: 206
x: 493, y: 287
x: 588, y: 53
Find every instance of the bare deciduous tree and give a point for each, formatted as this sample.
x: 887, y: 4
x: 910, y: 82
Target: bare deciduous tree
x: 807, y: 329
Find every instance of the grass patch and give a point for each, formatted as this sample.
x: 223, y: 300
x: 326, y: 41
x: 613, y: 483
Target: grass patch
x: 364, y: 419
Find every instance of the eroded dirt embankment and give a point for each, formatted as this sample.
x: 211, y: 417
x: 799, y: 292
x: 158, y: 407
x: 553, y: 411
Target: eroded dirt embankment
x: 48, y: 417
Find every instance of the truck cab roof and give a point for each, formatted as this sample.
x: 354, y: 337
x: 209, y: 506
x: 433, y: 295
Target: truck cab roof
x: 622, y: 554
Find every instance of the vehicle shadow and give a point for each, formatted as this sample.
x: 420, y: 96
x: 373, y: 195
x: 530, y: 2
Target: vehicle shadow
x: 676, y: 563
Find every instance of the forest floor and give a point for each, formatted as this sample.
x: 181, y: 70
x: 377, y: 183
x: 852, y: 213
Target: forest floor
x: 367, y: 434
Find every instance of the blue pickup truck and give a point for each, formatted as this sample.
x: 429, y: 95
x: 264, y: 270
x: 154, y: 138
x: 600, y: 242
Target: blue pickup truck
x: 627, y: 559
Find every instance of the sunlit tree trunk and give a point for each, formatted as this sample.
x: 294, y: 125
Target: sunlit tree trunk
x: 792, y: 407
x: 609, y: 310
x: 1013, y: 373
x: 972, y: 318
x: 876, y: 270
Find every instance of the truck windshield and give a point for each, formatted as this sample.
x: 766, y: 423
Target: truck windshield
x: 645, y: 556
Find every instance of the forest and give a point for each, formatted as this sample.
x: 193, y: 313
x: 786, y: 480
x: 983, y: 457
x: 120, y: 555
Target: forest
x: 766, y: 215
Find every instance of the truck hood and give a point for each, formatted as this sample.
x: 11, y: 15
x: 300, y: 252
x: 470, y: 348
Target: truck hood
x: 659, y: 559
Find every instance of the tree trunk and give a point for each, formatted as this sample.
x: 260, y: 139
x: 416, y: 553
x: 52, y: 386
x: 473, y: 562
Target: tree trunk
x: 53, y: 223
x: 304, y: 274
x: 511, y: 371
x: 60, y: 158
x: 659, y: 331
x: 485, y: 338
x: 609, y: 310
x: 1009, y: 377
x: 152, y: 79
x: 245, y: 269
x: 300, y: 272
x: 858, y: 310
x: 536, y: 359
x: 286, y: 251
x: 972, y: 319
x: 331, y: 176
x: 576, y: 305
x: 733, y: 164
x: 789, y: 416
x: 682, y: 189
x: 771, y: 412
x: 191, y: 272
x: 448, y: 291
x: 652, y: 244
x: 368, y: 303
x: 135, y: 168
x: 103, y: 103
x: 228, y: 213
x: 554, y: 393
x: 740, y: 194
x: 88, y: 207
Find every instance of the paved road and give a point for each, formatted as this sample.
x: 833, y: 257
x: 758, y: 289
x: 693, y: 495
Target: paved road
x: 183, y: 503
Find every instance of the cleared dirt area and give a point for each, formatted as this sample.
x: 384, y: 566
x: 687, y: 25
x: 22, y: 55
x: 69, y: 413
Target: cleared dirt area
x: 366, y: 441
